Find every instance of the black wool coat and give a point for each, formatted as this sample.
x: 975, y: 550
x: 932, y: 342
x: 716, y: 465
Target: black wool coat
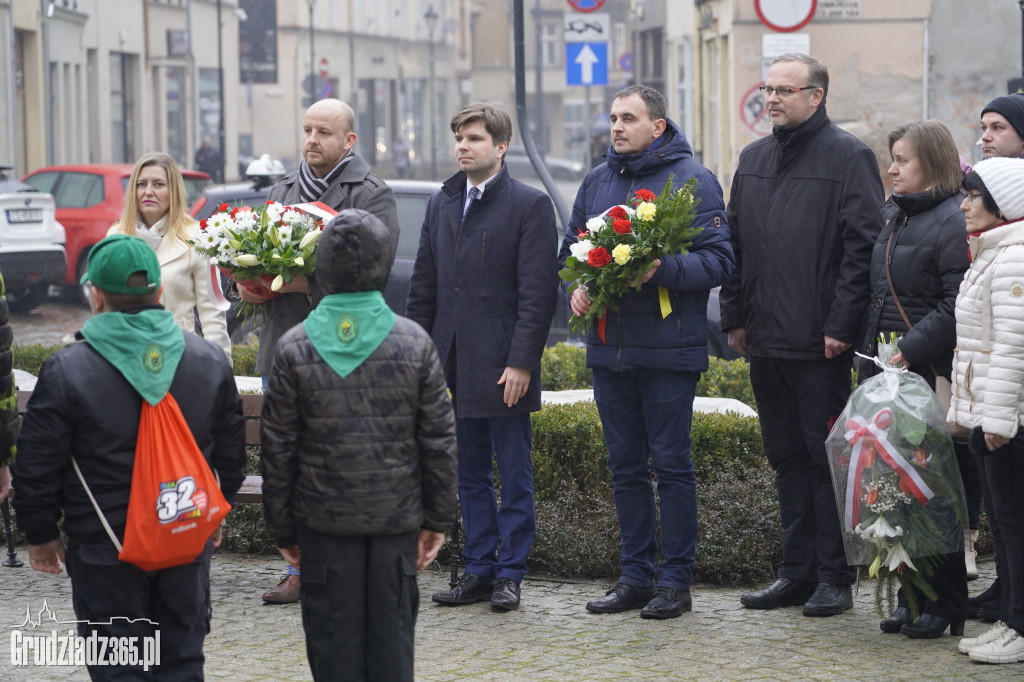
x: 485, y: 289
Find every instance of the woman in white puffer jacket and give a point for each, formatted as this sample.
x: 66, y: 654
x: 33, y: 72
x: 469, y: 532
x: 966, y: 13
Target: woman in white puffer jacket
x: 988, y: 381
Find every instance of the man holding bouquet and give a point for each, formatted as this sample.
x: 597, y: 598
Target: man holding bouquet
x: 333, y: 174
x: 648, y: 352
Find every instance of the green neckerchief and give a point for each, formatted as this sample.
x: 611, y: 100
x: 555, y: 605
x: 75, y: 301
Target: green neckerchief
x: 145, y: 347
x: 346, y: 328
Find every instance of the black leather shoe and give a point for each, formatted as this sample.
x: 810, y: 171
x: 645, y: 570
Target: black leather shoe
x: 829, y: 600
x: 621, y: 598
x: 469, y: 590
x: 667, y: 603
x: 505, y: 596
x: 900, y: 617
x: 930, y: 626
x: 988, y: 612
x: 783, y: 592
x: 993, y: 593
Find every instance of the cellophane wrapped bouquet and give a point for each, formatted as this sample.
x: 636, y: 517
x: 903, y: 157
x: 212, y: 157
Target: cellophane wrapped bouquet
x: 896, y: 481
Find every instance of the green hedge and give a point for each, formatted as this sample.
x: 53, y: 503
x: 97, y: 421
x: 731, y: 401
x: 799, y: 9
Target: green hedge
x: 30, y: 358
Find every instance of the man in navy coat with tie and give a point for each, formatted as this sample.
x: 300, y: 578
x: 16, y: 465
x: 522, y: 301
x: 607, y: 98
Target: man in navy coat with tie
x: 484, y: 286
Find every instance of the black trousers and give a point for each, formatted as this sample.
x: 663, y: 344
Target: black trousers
x: 177, y: 599
x: 798, y: 401
x: 1004, y: 476
x: 359, y: 603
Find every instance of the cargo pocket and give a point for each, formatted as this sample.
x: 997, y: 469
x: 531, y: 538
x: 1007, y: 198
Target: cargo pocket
x: 409, y: 591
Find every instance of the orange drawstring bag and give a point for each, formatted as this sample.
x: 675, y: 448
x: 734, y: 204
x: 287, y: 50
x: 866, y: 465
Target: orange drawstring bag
x: 175, y: 503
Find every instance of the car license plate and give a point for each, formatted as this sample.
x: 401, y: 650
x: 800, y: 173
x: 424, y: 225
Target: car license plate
x: 24, y: 215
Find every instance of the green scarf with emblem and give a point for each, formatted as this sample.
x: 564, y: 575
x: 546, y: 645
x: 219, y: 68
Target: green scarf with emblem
x: 145, y: 347
x: 346, y: 328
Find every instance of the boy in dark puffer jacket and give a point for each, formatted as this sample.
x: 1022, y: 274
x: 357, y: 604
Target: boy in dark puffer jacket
x: 359, y: 460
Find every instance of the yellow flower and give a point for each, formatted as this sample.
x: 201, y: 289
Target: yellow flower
x: 645, y: 210
x: 621, y: 253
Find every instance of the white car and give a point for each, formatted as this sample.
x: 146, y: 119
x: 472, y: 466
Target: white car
x: 31, y: 243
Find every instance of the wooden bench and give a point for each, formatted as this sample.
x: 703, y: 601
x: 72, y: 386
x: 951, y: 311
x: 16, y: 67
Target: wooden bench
x: 252, y: 406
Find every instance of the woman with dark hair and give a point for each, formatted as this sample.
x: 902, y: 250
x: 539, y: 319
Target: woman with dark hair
x: 988, y: 382
x: 155, y: 211
x: 917, y: 264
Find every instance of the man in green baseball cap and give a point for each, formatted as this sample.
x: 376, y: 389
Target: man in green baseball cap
x: 82, y: 424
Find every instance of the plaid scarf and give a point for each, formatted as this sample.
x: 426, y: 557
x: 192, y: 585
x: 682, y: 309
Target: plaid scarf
x: 312, y: 188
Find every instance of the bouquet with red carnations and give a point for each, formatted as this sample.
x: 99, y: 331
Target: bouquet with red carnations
x: 611, y: 256
x: 896, y: 480
x: 262, y: 248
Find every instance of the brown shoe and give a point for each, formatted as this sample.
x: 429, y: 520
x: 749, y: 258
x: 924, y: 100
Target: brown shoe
x: 286, y: 592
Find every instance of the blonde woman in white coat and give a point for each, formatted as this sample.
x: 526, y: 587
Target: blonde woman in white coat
x: 154, y: 210
x: 988, y: 381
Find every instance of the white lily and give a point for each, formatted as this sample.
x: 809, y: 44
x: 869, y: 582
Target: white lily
x: 247, y: 259
x: 309, y: 238
x: 277, y: 283
x: 896, y: 556
x: 300, y: 261
x: 878, y: 531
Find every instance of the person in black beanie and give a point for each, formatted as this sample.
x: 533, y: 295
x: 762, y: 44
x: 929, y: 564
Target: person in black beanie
x: 1002, y: 126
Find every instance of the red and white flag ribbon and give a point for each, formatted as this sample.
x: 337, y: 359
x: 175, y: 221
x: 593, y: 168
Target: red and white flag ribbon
x: 862, y: 435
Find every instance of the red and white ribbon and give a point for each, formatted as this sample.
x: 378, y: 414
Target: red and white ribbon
x: 861, y: 435
x: 214, y: 290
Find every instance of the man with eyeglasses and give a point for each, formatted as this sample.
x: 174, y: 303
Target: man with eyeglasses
x: 804, y: 213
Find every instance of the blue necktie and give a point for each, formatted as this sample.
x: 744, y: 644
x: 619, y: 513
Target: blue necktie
x: 473, y: 194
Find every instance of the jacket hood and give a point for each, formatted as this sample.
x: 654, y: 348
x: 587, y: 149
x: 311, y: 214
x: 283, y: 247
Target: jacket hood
x: 354, y: 254
x: 673, y: 147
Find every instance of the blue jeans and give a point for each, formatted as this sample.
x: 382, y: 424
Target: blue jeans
x: 480, y: 441
x: 646, y: 416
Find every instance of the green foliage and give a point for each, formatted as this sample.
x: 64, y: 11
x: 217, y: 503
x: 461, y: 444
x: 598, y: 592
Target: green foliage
x: 244, y: 359
x: 727, y: 379
x: 30, y: 358
x: 245, y: 532
x: 564, y: 368
x: 568, y: 450
x: 725, y: 441
x: 738, y: 539
x: 577, y: 534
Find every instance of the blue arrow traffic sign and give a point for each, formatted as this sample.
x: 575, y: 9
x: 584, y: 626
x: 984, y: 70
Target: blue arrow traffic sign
x: 586, y: 63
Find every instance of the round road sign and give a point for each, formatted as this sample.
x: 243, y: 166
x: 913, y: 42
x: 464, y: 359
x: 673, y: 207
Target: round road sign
x: 586, y: 5
x: 785, y: 15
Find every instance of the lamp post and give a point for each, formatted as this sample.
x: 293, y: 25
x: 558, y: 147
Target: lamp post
x: 220, y: 94
x: 431, y: 18
x: 312, y: 57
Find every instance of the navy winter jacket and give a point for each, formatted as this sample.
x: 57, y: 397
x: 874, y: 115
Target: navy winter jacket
x: 636, y: 335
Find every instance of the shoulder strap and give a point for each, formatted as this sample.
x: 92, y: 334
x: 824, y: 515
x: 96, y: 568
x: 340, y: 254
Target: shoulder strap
x: 895, y: 298
x: 96, y: 506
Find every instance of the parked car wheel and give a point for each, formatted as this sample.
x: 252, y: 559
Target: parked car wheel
x: 27, y: 299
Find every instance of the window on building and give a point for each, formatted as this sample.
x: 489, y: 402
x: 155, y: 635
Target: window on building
x: 575, y: 125
x: 549, y: 45
x: 175, y: 106
x: 122, y: 105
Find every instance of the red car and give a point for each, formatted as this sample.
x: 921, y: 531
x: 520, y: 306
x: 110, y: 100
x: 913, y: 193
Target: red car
x: 89, y: 200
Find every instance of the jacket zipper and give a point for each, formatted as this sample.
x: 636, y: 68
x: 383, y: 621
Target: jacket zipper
x: 483, y: 247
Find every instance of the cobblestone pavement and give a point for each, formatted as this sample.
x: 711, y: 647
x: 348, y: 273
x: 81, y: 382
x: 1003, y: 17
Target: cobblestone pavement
x: 551, y: 637
x: 50, y: 321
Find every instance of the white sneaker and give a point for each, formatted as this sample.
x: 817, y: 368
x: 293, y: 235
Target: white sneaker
x: 995, y: 632
x: 1008, y: 649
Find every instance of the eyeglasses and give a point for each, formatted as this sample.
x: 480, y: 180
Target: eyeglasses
x: 971, y: 197
x: 783, y: 92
